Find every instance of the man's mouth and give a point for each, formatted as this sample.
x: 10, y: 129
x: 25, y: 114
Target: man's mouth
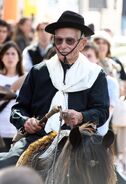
x: 64, y: 53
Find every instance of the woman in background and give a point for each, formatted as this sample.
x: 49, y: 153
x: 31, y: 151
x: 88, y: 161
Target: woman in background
x: 104, y: 42
x: 23, y: 33
x: 91, y: 51
x: 10, y: 71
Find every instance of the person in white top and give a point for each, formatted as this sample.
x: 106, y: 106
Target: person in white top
x: 10, y: 70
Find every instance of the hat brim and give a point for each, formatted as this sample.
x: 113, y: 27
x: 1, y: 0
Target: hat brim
x: 56, y: 25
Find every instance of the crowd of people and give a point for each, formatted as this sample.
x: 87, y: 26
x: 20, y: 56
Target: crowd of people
x: 62, y: 63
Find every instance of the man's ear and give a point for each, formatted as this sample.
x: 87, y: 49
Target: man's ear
x: 108, y: 139
x: 83, y: 42
x: 75, y: 137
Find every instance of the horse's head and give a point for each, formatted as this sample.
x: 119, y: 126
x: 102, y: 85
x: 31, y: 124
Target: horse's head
x: 80, y: 156
x: 86, y: 158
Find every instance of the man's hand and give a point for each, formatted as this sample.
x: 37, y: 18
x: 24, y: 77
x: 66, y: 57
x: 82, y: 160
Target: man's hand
x: 31, y: 126
x: 72, y: 117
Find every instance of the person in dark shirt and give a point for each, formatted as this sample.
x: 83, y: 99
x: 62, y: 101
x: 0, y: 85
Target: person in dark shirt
x: 68, y: 79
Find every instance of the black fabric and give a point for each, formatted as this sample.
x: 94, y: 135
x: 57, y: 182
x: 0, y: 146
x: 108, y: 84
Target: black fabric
x: 35, y: 98
x: 8, y: 142
x: 36, y: 56
x: 122, y: 71
x: 37, y: 92
x: 2, y: 144
x: 70, y: 19
x: 65, y: 66
x: 3, y: 104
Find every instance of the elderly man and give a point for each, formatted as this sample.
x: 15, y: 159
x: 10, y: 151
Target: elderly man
x: 68, y: 79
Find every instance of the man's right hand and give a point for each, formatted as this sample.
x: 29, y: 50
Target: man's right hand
x: 31, y: 125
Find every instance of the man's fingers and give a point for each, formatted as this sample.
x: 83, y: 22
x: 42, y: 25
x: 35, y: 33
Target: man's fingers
x: 29, y: 129
x: 31, y: 125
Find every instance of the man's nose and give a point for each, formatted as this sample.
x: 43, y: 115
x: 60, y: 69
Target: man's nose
x: 63, y: 44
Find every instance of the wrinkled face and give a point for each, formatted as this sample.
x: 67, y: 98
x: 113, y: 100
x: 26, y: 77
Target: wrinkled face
x: 10, y: 58
x: 43, y: 37
x: 65, y: 40
x: 90, y: 54
x: 3, y: 34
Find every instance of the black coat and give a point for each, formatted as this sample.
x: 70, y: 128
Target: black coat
x: 37, y: 92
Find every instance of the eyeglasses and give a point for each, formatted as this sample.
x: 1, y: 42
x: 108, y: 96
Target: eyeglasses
x: 69, y: 40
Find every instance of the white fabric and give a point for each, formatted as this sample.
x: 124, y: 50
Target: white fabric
x: 119, y: 115
x: 27, y: 61
x: 104, y: 128
x: 57, y: 139
x: 6, y: 128
x: 113, y: 90
x: 81, y: 76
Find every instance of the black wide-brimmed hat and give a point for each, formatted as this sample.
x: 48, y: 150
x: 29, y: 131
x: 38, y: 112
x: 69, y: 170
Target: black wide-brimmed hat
x: 69, y: 19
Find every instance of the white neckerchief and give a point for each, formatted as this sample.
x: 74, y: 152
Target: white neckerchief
x: 81, y: 76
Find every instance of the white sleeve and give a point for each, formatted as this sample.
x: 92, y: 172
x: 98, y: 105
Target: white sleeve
x: 113, y: 89
x: 27, y: 63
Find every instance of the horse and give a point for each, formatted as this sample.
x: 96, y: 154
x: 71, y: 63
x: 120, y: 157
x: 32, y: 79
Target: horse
x: 82, y: 156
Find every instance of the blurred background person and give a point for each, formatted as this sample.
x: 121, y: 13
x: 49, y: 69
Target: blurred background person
x: 23, y: 33
x: 103, y: 41
x: 4, y: 31
x: 10, y: 70
x: 40, y: 50
x: 91, y: 51
x: 122, y: 71
x: 19, y: 175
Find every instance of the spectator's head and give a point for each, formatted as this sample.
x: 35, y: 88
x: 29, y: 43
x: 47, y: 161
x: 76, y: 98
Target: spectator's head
x: 4, y: 30
x: 91, y: 52
x: 19, y: 175
x: 103, y: 40
x: 24, y: 25
x: 10, y: 57
x: 44, y: 38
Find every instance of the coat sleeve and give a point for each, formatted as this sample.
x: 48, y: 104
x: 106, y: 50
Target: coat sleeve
x: 98, y: 102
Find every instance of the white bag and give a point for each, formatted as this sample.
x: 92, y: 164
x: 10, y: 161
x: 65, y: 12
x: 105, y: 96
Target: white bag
x: 119, y: 114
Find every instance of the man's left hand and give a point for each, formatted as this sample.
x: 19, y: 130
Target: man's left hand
x: 72, y: 117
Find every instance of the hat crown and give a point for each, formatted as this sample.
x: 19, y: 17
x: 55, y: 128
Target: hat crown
x: 70, y: 19
x: 69, y: 16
